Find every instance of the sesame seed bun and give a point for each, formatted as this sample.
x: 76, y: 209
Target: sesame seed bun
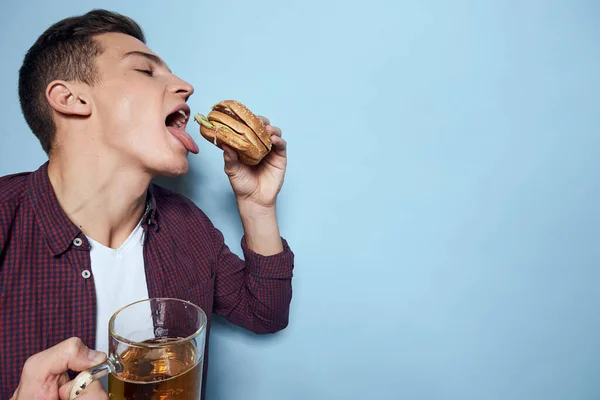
x: 232, y: 123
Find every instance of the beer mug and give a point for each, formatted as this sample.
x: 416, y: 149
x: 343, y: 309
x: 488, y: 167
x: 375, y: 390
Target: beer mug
x: 156, y: 351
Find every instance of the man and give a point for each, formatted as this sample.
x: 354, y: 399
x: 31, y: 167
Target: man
x: 88, y: 232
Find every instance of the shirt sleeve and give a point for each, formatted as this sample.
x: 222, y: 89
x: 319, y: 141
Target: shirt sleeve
x: 254, y: 293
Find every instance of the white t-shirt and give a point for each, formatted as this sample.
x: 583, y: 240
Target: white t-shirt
x: 120, y: 279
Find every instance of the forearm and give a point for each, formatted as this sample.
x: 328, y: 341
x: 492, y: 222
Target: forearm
x: 254, y: 293
x: 261, y: 305
x: 260, y: 228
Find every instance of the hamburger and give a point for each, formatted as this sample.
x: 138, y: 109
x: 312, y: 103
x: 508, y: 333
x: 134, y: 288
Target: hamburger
x: 232, y: 123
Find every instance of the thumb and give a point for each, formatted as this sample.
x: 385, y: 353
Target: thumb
x: 232, y: 161
x: 70, y: 354
x: 54, y: 362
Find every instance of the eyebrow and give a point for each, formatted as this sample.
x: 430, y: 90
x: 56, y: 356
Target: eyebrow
x: 148, y: 56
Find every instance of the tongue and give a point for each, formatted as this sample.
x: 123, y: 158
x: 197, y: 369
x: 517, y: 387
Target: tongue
x: 184, y: 138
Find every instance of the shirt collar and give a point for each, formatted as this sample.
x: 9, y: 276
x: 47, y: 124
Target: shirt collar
x: 150, y: 218
x: 57, y: 228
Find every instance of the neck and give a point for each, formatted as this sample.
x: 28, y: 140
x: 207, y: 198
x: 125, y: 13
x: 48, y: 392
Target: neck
x: 103, y: 197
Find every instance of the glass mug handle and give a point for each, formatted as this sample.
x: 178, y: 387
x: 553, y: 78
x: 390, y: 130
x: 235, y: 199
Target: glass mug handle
x: 85, y: 378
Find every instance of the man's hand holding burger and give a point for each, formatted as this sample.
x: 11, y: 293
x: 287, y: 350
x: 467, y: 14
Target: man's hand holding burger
x: 255, y: 162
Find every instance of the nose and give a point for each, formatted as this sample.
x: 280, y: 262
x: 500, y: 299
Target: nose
x: 181, y: 87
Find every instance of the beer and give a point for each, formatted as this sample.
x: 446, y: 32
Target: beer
x: 169, y: 372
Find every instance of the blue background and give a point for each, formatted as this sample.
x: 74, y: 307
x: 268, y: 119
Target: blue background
x: 442, y: 196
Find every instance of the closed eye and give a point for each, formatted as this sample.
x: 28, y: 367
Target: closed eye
x: 145, y: 71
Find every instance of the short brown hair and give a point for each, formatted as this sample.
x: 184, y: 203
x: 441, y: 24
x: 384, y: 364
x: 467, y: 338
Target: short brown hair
x: 65, y: 51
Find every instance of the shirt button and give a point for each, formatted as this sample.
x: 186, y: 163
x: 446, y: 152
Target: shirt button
x: 86, y: 274
x: 77, y: 242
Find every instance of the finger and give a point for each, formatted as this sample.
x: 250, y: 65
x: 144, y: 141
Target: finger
x: 69, y: 354
x: 279, y: 145
x: 94, y: 391
x: 16, y: 395
x: 265, y: 120
x: 229, y: 154
x: 274, y: 130
x: 64, y: 378
x: 231, y: 158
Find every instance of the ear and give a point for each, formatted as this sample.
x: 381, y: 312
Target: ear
x: 68, y: 98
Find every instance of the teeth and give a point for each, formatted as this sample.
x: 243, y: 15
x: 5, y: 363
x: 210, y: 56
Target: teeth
x: 178, y: 123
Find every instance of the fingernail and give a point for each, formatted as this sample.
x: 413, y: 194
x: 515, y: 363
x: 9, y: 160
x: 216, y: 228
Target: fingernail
x: 96, y: 356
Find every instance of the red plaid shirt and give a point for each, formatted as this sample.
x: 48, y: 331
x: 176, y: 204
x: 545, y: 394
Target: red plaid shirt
x: 44, y: 298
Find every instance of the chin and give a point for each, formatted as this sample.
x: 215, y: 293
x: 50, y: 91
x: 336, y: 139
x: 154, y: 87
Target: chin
x: 173, y: 167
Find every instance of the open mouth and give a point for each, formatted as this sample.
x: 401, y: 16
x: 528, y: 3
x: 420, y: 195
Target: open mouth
x: 175, y: 123
x: 177, y: 120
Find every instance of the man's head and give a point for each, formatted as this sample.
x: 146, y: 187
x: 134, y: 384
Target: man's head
x: 91, y: 81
